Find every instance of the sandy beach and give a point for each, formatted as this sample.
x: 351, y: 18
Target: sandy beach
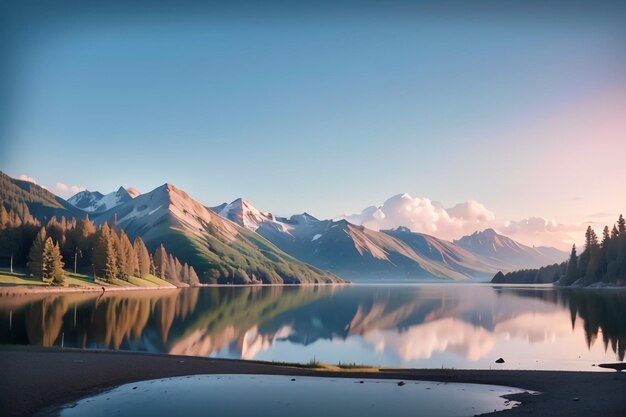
x: 34, y: 379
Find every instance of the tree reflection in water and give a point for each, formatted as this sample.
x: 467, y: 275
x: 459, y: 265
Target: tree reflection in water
x: 204, y: 321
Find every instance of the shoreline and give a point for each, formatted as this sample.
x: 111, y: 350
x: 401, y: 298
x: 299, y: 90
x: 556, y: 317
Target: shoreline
x: 38, y: 379
x: 17, y: 290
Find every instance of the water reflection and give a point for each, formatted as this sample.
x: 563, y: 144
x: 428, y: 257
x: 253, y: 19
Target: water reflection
x: 462, y: 326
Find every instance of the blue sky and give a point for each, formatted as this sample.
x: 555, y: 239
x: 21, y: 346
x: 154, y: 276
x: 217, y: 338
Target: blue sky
x: 327, y: 111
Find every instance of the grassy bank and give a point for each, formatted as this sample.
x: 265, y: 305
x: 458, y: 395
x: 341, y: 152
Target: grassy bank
x: 22, y: 280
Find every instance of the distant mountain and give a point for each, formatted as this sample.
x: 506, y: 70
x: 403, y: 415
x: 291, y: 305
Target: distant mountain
x: 218, y: 249
x: 356, y: 251
x: 500, y: 249
x: 243, y: 213
x: 447, y: 253
x: 41, y: 203
x: 94, y: 201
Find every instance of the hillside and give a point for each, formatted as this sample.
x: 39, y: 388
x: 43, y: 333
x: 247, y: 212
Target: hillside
x: 19, y: 196
x: 220, y: 250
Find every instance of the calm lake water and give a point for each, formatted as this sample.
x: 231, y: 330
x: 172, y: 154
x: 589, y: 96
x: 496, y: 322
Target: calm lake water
x: 425, y: 326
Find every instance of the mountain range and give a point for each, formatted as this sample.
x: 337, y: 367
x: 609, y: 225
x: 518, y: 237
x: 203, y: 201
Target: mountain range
x: 95, y: 202
x: 356, y: 252
x: 236, y: 242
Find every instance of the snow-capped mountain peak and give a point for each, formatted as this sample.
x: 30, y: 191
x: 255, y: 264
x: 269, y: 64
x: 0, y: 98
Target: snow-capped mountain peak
x: 243, y: 213
x: 96, y: 202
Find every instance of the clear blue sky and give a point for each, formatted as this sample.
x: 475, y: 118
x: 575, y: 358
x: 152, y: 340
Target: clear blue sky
x: 323, y: 109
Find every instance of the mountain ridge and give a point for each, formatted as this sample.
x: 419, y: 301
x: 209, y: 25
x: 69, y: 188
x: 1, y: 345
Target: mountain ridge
x: 356, y: 251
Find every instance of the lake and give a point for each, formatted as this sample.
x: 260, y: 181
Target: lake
x: 466, y: 326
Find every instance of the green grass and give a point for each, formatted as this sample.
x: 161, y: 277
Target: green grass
x: 79, y: 280
x: 8, y: 278
x: 149, y: 281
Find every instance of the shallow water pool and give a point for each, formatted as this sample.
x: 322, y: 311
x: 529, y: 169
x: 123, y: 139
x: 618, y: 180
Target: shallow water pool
x: 269, y: 395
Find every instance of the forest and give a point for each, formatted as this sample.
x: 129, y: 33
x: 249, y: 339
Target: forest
x: 104, y: 253
x: 602, y: 261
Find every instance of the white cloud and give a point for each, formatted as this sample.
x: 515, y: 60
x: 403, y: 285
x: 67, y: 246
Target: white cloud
x: 423, y: 340
x: 545, y: 232
x: 426, y: 216
x: 68, y: 190
x: 25, y: 177
x: 61, y: 187
x: 77, y: 188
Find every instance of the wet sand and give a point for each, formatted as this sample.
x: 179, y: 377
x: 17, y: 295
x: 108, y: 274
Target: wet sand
x: 34, y: 379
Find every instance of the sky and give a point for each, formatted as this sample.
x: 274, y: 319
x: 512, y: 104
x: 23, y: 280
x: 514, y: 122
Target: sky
x: 489, y: 114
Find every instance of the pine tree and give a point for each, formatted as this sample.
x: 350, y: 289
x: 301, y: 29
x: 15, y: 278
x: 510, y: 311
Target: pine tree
x: 35, y: 255
x: 85, y: 237
x: 621, y: 226
x: 104, y: 256
x: 142, y: 256
x: 193, y: 277
x: 110, y: 270
x: 606, y: 236
x: 614, y: 233
x: 128, y: 254
x: 571, y: 275
x: 170, y: 271
x: 52, y: 263
x: 160, y: 262
x: 120, y: 260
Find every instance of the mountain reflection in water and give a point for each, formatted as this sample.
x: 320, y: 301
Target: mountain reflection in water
x: 460, y: 326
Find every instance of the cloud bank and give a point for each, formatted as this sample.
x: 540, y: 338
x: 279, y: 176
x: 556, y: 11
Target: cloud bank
x: 62, y: 189
x: 426, y: 216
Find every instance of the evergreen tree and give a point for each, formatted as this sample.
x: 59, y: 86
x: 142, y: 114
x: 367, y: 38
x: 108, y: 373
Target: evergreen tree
x: 614, y: 233
x: 142, y: 256
x: 571, y: 275
x: 621, y: 226
x: 193, y: 277
x: 35, y: 259
x: 85, y: 236
x: 160, y: 262
x: 606, y: 236
x: 593, y: 266
x: 170, y: 271
x: 120, y: 260
x: 105, y: 260
x: 110, y: 270
x: 52, y: 263
x: 128, y: 254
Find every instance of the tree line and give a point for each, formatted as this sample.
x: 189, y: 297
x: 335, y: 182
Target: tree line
x: 602, y: 260
x: 104, y: 252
